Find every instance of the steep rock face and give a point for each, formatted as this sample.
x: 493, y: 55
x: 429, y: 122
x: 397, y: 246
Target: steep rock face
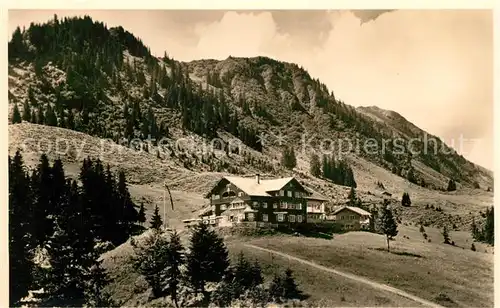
x: 104, y: 82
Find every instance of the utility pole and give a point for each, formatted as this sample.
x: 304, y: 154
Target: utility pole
x: 165, y: 189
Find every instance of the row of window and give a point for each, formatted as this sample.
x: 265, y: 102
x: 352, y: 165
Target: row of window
x: 291, y: 206
x: 280, y: 217
x: 282, y: 205
x: 351, y: 217
x: 291, y: 194
x: 282, y: 193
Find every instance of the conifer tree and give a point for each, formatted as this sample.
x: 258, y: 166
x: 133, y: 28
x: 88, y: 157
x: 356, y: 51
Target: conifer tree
x: 151, y: 259
x: 352, y: 198
x: 40, y: 118
x: 489, y: 227
x: 388, y: 224
x: 291, y: 290
x: 95, y: 295
x: 21, y: 246
x: 207, y: 260
x: 451, y: 185
x: 276, y: 289
x: 156, y: 221
x: 405, y: 201
x: 26, y: 111
x: 43, y: 205
x: 142, y: 214
x: 315, y: 166
x: 446, y: 236
x: 176, y: 260
x: 16, y: 115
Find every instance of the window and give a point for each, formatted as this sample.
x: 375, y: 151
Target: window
x: 223, y: 207
x: 342, y: 217
x: 275, y: 205
x: 299, y: 218
x: 283, y: 205
x: 264, y: 205
x: 289, y: 193
x: 215, y: 197
x: 298, y: 194
x: 264, y: 217
x: 299, y: 206
x: 240, y: 194
x: 291, y: 218
x: 280, y: 217
x: 282, y: 193
x: 255, y: 203
x: 251, y: 216
x: 291, y: 206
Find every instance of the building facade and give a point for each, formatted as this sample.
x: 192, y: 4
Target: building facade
x: 351, y: 218
x: 256, y: 201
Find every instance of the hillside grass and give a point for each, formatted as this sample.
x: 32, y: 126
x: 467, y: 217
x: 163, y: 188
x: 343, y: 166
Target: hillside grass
x: 450, y: 276
x: 322, y: 289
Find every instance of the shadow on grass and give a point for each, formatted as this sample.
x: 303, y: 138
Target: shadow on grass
x: 399, y: 253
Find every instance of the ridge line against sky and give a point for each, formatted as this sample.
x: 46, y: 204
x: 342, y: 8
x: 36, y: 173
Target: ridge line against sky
x: 434, y: 67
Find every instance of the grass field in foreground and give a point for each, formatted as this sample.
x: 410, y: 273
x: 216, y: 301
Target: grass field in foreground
x: 322, y: 288
x: 450, y: 276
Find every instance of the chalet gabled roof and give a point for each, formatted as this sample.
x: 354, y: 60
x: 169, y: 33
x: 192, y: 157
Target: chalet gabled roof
x: 250, y: 186
x: 357, y: 210
x: 315, y: 195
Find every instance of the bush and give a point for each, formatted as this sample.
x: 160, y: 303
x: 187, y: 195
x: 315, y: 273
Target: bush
x: 473, y: 247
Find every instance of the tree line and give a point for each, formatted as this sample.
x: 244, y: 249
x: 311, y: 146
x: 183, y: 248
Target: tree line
x: 338, y: 171
x: 49, y: 212
x: 486, y: 232
x: 81, y: 102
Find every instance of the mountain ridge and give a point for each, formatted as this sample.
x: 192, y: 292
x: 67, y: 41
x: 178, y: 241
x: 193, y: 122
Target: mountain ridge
x: 114, y: 88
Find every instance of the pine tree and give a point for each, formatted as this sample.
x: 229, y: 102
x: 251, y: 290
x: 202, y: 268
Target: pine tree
x: 451, y: 185
x: 151, y: 259
x: 473, y: 247
x: 352, y: 199
x: 405, y: 201
x: 388, y: 224
x: 288, y: 159
x: 446, y: 236
x: 475, y: 230
x: 142, y: 214
x: 26, y: 111
x: 291, y: 290
x: 489, y: 227
x: 43, y: 205
x: 422, y: 230
x: 276, y: 289
x: 50, y: 116
x: 156, y: 221
x: 95, y: 296
x: 315, y: 166
x: 207, y: 260
x: 21, y: 264
x: 40, y: 118
x: 176, y: 260
x: 16, y: 115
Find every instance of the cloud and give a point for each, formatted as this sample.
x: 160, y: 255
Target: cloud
x: 433, y: 67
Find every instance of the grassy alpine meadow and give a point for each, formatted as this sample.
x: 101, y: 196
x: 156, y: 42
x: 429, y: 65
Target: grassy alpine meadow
x: 445, y: 274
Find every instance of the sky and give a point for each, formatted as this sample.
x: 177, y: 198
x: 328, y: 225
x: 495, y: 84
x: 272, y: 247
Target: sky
x: 434, y: 67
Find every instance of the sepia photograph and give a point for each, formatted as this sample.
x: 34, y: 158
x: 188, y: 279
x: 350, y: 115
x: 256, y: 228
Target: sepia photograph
x: 250, y: 158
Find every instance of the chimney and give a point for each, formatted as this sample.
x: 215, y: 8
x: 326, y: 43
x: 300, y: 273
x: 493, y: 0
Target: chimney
x: 257, y: 178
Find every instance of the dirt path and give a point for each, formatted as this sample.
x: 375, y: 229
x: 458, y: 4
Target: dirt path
x: 351, y: 276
